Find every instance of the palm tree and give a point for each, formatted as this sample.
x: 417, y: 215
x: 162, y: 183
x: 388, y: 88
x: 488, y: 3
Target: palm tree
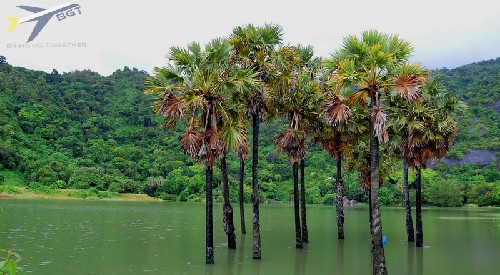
x: 195, y: 86
x: 331, y: 141
x: 233, y: 133
x: 336, y: 136
x: 400, y: 125
x: 375, y: 64
x: 298, y: 97
x: 428, y: 128
x: 254, y: 46
x: 242, y: 151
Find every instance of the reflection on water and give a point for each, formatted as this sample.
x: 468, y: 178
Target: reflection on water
x: 300, y: 260
x: 419, y: 251
x: 95, y: 237
x: 340, y: 257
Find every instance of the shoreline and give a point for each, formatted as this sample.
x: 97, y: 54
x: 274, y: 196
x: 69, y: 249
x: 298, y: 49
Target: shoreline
x: 18, y: 192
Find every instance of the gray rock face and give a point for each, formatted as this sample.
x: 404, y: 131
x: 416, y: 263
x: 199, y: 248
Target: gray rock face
x: 348, y: 202
x: 479, y: 157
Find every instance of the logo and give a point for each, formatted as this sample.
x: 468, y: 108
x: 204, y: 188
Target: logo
x: 43, y: 16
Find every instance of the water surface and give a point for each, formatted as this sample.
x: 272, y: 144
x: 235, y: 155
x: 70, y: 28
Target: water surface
x: 102, y: 237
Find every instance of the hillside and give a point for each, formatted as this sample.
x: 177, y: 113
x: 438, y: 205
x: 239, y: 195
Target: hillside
x: 82, y: 130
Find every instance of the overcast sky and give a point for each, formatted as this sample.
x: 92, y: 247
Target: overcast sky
x: 444, y: 33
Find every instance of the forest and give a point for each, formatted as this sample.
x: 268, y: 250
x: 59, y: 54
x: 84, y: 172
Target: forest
x: 81, y: 130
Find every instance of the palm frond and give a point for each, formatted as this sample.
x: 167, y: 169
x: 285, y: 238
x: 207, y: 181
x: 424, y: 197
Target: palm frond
x: 293, y: 143
x: 379, y: 126
x: 191, y: 142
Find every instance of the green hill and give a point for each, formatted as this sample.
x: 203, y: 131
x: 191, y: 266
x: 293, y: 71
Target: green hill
x: 82, y: 130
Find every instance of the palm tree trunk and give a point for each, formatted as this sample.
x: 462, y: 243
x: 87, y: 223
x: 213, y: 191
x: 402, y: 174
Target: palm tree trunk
x: 378, y: 257
x: 298, y: 235
x: 409, y: 219
x: 209, y: 233
x: 419, y: 229
x: 339, y: 199
x: 227, y: 209
x: 305, y: 234
x: 242, y: 209
x: 256, y: 248
x: 370, y: 216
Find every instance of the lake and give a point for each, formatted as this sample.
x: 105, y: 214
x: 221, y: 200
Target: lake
x: 106, y: 237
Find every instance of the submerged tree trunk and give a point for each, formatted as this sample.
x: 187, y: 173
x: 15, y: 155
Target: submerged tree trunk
x: 419, y: 230
x: 242, y: 209
x: 370, y: 216
x: 339, y: 199
x: 305, y: 234
x: 298, y: 237
x: 227, y: 208
x: 409, y: 219
x: 209, y: 233
x: 256, y: 248
x: 378, y: 257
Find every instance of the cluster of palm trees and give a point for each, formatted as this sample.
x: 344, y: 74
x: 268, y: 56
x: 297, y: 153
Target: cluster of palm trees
x: 365, y: 104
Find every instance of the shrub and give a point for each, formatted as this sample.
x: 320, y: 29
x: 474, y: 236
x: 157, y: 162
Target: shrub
x: 328, y: 199
x: 39, y: 188
x: 9, y: 189
x: 390, y: 195
x: 59, y: 184
x: 442, y: 192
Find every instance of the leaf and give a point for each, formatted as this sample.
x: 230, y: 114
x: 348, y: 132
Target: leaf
x: 11, y: 268
x: 408, y: 86
x: 336, y: 111
x: 379, y: 127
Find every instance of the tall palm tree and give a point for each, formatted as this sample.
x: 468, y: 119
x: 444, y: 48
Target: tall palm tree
x: 233, y: 134
x: 332, y: 143
x: 195, y: 86
x: 375, y: 64
x: 253, y: 48
x: 242, y: 151
x: 298, y: 97
x: 429, y: 128
x: 399, y: 136
x: 337, y: 137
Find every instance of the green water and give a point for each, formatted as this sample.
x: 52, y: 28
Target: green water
x: 99, y: 237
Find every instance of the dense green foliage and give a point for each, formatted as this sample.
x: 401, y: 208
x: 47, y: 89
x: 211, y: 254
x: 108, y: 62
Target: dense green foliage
x: 85, y: 131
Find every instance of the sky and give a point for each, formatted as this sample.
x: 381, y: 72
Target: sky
x: 109, y: 34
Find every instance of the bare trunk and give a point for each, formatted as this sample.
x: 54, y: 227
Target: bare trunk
x: 339, y: 199
x: 209, y: 233
x: 379, y: 265
x: 242, y: 209
x: 256, y: 248
x: 409, y: 219
x: 370, y: 216
x: 227, y: 208
x: 305, y: 234
x: 298, y: 236
x: 419, y: 230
